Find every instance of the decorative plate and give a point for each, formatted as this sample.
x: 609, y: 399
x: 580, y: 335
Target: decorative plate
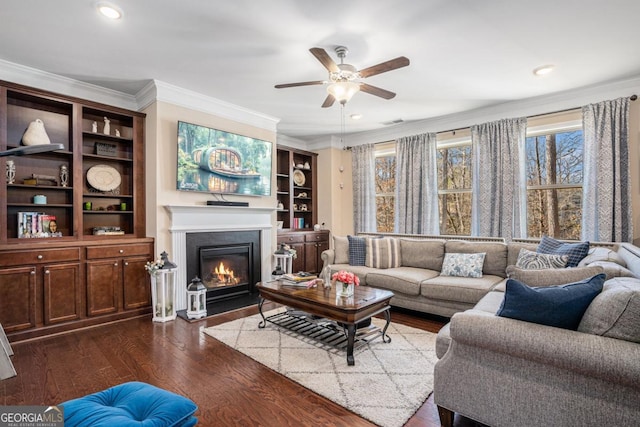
x: 299, y: 178
x: 103, y: 178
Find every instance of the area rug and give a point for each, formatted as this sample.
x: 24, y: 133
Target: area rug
x: 387, y: 385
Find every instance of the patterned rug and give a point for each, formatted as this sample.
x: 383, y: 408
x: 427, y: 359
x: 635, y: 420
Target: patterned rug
x: 387, y: 385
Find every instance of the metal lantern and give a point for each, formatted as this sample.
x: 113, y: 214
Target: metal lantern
x: 284, y: 261
x: 163, y: 290
x: 196, y: 299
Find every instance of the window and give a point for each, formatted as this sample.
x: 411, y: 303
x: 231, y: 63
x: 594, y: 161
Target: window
x: 454, y: 186
x: 385, y: 187
x: 554, y: 181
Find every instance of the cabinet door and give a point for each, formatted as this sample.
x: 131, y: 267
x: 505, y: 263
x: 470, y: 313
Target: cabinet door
x: 311, y: 257
x: 62, y: 301
x: 17, y: 298
x: 103, y: 286
x: 136, y: 283
x: 298, y: 263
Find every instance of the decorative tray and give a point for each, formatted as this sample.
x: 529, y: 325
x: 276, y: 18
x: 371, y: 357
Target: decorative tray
x: 298, y: 178
x: 103, y: 178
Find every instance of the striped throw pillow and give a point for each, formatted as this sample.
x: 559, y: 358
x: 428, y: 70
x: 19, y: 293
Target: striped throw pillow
x: 383, y: 253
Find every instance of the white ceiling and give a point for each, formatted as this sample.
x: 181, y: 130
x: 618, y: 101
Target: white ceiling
x: 464, y: 54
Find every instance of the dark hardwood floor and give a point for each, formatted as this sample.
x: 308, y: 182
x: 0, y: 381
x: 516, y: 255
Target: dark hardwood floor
x: 229, y: 388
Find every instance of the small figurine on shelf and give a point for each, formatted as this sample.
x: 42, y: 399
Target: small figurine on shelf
x: 64, y: 175
x: 11, y: 172
x: 107, y: 126
x: 94, y: 127
x: 117, y: 132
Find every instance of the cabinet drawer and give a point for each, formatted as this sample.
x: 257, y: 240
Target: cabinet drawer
x: 39, y: 256
x: 97, y: 252
x: 291, y: 238
x: 316, y: 237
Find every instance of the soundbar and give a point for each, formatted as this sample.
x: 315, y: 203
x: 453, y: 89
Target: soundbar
x: 225, y: 203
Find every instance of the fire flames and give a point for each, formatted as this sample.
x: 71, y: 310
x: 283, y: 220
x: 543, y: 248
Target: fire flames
x: 224, y: 275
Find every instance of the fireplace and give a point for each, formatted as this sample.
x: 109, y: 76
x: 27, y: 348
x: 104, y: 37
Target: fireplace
x: 228, y: 263
x: 198, y: 224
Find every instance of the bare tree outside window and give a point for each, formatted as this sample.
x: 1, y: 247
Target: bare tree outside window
x: 385, y: 192
x: 454, y: 189
x: 554, y: 184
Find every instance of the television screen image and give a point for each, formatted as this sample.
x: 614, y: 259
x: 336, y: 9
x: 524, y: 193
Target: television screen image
x: 215, y: 161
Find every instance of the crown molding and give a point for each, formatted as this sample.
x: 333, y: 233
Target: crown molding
x: 44, y: 80
x: 543, y: 104
x: 159, y: 91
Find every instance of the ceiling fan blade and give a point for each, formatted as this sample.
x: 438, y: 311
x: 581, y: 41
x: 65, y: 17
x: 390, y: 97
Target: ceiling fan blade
x: 285, y: 85
x: 328, y: 101
x: 325, y: 59
x: 372, y: 90
x: 383, y: 67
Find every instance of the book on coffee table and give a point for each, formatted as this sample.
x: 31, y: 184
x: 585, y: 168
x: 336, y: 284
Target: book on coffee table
x: 299, y: 279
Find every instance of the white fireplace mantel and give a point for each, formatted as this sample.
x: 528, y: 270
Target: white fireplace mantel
x: 202, y: 219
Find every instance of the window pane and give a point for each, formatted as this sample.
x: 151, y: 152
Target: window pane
x: 455, y: 214
x: 555, y: 213
x: 555, y: 158
x: 384, y: 213
x: 385, y: 175
x: 454, y: 168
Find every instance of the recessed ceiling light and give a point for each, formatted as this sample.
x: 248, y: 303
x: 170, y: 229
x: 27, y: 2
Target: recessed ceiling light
x: 356, y: 116
x: 543, y: 69
x: 109, y: 10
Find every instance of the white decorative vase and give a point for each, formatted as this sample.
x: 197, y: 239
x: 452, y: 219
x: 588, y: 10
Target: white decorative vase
x: 35, y: 134
x: 344, y: 289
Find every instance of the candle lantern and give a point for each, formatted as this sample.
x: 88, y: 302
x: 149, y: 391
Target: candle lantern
x: 284, y: 261
x: 163, y: 290
x: 196, y: 299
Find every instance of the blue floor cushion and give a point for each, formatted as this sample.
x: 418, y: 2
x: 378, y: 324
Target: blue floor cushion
x: 130, y: 404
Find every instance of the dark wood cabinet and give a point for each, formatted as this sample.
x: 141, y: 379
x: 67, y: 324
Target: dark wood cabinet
x: 309, y: 246
x: 89, y: 268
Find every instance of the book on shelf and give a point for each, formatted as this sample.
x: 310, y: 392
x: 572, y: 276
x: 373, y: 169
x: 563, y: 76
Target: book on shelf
x: 37, y: 225
x: 107, y: 231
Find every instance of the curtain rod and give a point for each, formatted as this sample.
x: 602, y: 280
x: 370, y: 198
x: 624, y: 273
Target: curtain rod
x: 632, y: 98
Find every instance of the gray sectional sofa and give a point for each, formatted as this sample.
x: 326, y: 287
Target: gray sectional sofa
x: 506, y: 372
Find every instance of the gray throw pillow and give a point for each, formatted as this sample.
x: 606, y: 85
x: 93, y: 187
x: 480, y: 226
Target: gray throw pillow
x: 533, y: 260
x: 551, y: 276
x: 341, y: 249
x: 615, y: 313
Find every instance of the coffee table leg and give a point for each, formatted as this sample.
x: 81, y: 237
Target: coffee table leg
x: 351, y: 335
x: 386, y: 338
x: 263, y: 322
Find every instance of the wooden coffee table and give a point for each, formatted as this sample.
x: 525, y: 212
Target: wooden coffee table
x: 320, y: 303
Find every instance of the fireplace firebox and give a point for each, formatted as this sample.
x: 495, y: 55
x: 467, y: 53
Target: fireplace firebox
x: 228, y: 263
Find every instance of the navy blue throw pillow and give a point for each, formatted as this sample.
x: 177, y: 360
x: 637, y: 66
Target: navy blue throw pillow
x: 560, y: 306
x: 575, y: 251
x: 357, y: 250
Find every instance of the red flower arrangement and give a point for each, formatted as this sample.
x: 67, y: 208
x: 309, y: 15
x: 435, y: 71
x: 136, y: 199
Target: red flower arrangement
x: 346, y: 277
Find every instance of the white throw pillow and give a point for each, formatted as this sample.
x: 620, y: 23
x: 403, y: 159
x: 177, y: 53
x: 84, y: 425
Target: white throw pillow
x: 463, y: 265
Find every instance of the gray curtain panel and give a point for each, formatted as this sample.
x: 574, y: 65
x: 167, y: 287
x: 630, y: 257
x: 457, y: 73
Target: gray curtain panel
x: 417, y: 185
x: 499, y: 204
x: 606, y: 198
x: 364, y: 192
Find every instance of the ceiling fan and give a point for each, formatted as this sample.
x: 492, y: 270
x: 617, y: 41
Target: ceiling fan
x: 345, y: 79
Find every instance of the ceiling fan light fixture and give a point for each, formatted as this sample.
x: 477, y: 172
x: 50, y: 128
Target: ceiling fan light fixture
x: 343, y: 91
x: 109, y: 10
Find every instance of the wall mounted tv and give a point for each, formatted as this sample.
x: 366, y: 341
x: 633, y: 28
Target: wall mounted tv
x: 219, y: 162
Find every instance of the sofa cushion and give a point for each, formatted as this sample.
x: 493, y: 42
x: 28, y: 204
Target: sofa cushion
x: 575, y: 251
x: 463, y: 265
x: 560, y: 306
x: 405, y: 280
x: 357, y: 250
x: 535, y: 261
x: 612, y: 269
x: 602, y: 254
x: 341, y: 250
x: 383, y: 253
x: 513, y: 250
x: 450, y: 288
x: 615, y: 313
x: 549, y: 276
x: 427, y: 254
x: 495, y: 261
x: 491, y: 302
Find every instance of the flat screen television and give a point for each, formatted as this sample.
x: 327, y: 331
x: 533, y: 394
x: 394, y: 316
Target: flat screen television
x: 219, y: 162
